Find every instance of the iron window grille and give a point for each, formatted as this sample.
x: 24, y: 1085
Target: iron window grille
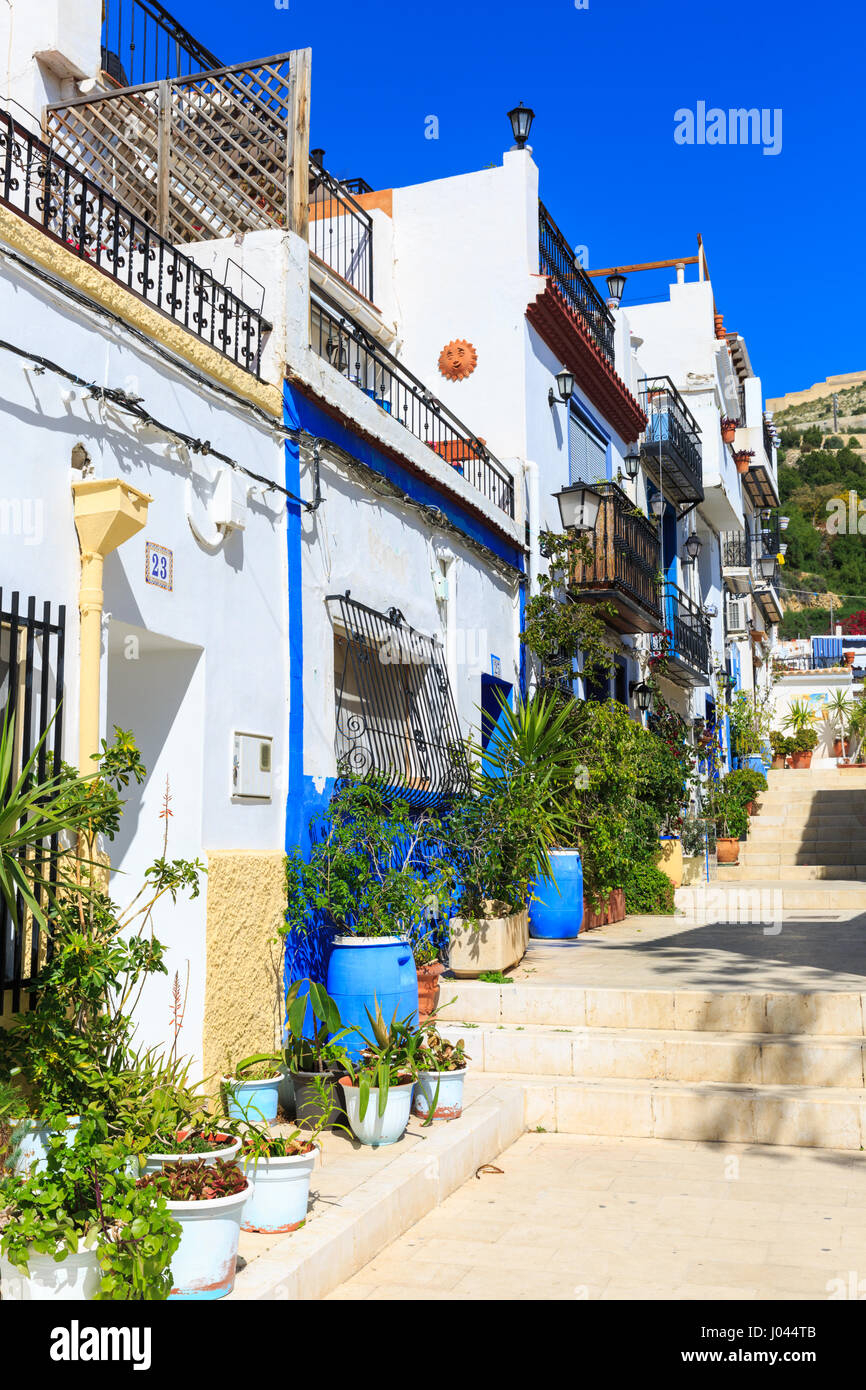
x: 736, y: 550
x: 396, y: 720
x: 357, y: 356
x: 31, y: 690
x: 70, y: 208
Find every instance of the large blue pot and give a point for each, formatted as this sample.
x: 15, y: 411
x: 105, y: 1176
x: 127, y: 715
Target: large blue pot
x: 556, y: 908
x: 365, y: 969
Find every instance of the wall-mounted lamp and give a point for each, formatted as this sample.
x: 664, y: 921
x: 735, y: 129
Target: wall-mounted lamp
x: 631, y: 462
x: 521, y: 118
x: 615, y: 288
x: 578, y: 507
x: 767, y: 566
x: 565, y: 387
x: 643, y: 695
x: 657, y: 504
x: 694, y: 545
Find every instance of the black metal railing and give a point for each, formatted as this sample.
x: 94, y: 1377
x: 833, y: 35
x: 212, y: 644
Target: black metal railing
x: 71, y: 209
x: 357, y: 186
x: 687, y: 640
x: 671, y: 444
x: 142, y: 42
x: 625, y: 552
x: 397, y: 723
x: 768, y: 443
x: 341, y: 231
x: 358, y: 357
x: 557, y: 259
x: 31, y: 690
x: 736, y: 550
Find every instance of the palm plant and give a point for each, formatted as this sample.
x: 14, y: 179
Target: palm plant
x: 838, y: 710
x: 800, y: 717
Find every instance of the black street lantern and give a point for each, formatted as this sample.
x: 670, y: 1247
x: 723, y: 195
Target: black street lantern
x: 643, y: 696
x: 767, y: 565
x: 615, y: 287
x: 565, y: 387
x: 578, y: 507
x: 521, y: 119
x: 694, y: 545
x: 631, y: 462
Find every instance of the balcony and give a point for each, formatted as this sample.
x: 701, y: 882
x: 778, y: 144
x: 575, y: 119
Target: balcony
x: 341, y: 230
x: 671, y: 449
x: 736, y: 548
x: 684, y: 649
x: 76, y: 212
x: 624, y: 568
x: 372, y: 369
x: 557, y: 260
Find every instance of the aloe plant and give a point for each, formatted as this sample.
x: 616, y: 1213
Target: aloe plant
x: 390, y: 1056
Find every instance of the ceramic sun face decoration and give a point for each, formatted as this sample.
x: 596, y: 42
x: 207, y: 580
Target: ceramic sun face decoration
x: 458, y: 360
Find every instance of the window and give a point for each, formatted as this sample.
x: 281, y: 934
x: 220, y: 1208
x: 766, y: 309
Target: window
x: 396, y: 721
x: 587, y: 450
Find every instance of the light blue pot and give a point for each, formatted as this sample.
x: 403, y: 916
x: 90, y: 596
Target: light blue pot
x: 35, y: 1141
x: 203, y: 1265
x: 281, y: 1193
x: 376, y: 1129
x: 254, y: 1101
x: 448, y: 1099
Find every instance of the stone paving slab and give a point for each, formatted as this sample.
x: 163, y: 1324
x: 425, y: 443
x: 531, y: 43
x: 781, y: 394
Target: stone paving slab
x: 579, y: 1218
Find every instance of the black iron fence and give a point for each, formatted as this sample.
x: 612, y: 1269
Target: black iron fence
x: 142, y: 42
x: 688, y: 640
x: 79, y: 214
x: 625, y: 552
x: 371, y: 368
x: 671, y: 442
x: 557, y: 259
x: 736, y: 550
x: 341, y: 231
x: 396, y: 722
x: 31, y: 689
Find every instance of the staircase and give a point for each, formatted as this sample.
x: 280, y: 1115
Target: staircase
x: 810, y: 825
x: 730, y: 1067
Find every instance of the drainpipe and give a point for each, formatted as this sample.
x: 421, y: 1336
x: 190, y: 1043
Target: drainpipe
x: 533, y: 506
x: 107, y: 512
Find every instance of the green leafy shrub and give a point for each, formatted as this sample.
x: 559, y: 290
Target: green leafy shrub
x: 648, y: 890
x: 745, y: 784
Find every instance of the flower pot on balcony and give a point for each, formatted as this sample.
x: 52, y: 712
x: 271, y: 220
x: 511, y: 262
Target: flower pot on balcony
x: 727, y: 849
x: 849, y: 658
x: 801, y: 759
x: 728, y: 433
x: 742, y: 462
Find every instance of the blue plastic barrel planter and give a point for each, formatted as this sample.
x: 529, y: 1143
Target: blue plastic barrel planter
x: 363, y: 969
x: 556, y: 908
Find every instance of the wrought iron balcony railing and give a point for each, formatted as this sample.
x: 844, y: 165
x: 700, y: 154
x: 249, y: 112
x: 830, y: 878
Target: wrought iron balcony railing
x: 341, y: 231
x: 557, y: 259
x: 768, y: 443
x: 736, y: 550
x: 625, y: 563
x: 358, y: 357
x: 671, y: 446
x: 686, y: 644
x: 142, y: 42
x: 71, y: 209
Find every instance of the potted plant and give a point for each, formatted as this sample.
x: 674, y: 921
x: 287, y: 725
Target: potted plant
x: 313, y: 1053
x: 251, y: 1090
x: 742, y: 458
x: 800, y: 720
x: 207, y: 1200
x: 731, y: 823
x: 837, y: 712
x: 745, y: 784
x: 280, y: 1168
x: 428, y: 968
x: 782, y: 747
x: 441, y: 1074
x: 373, y: 868
x: 729, y: 429
x: 203, y: 1143
x: 378, y: 1089
x: 81, y: 1228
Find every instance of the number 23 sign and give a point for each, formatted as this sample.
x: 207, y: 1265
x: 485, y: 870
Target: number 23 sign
x: 158, y: 565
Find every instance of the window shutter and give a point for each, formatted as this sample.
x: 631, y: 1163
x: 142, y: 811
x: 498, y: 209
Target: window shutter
x: 587, y: 451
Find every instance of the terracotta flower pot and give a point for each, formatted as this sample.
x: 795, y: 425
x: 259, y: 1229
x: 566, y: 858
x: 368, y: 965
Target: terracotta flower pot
x: 801, y: 759
x: 591, y: 918
x: 742, y: 465
x: 751, y: 808
x: 841, y: 748
x: 428, y: 987
x: 778, y: 763
x: 727, y: 849
x: 728, y: 434
x: 849, y: 658
x: 616, y: 901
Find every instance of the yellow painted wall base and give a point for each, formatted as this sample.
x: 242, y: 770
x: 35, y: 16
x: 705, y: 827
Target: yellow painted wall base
x: 246, y: 899
x: 671, y: 861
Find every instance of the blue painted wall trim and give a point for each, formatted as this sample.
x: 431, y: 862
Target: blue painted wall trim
x: 311, y: 417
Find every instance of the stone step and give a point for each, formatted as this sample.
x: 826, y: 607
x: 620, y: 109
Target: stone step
x: 754, y: 1059
x: 802, y: 836
x: 707, y: 1112
x: 815, y: 1013
x: 792, y: 819
x: 822, y: 854
x: 772, y: 894
x: 791, y: 873
x: 817, y: 778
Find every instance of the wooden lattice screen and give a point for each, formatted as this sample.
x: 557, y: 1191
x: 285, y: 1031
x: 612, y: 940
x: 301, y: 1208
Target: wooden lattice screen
x: 202, y: 156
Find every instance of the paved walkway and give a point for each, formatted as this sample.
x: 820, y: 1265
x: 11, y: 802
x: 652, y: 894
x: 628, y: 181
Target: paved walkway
x: 788, y: 951
x: 600, y: 1218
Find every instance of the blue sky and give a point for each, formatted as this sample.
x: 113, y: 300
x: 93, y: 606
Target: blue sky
x: 783, y: 233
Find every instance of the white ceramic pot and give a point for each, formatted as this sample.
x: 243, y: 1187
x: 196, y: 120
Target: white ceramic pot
x: 203, y: 1265
x: 46, y: 1279
x: 376, y: 1129
x: 153, y: 1163
x: 34, y: 1142
x: 448, y: 1098
x: 281, y: 1192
